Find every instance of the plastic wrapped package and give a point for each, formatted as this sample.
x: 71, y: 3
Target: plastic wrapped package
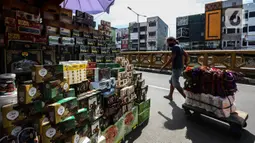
x: 225, y: 106
x: 205, y: 98
x: 8, y: 99
x: 197, y: 99
x: 189, y: 101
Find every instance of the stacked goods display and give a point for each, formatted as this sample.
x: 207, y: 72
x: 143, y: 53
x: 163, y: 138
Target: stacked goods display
x: 48, y: 35
x: 78, y: 102
x: 120, y: 108
x: 70, y: 85
x: 211, y: 89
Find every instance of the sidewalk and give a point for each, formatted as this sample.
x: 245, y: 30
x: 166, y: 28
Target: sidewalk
x: 246, y: 80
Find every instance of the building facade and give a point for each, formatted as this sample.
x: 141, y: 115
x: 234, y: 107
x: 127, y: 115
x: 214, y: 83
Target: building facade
x: 190, y: 31
x: 213, y: 21
x: 231, y: 37
x: 135, y: 36
x: 182, y: 31
x: 122, y: 38
x: 197, y: 31
x: 151, y: 36
x: 248, y: 32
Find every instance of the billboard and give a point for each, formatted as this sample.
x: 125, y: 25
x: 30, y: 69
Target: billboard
x: 213, y: 25
x: 182, y: 21
x: 121, y: 34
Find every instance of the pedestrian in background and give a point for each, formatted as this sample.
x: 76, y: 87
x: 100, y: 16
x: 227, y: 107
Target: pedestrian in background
x: 177, y: 66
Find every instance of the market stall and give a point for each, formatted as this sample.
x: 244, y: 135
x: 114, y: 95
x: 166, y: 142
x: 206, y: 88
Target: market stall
x: 211, y: 91
x: 63, y: 81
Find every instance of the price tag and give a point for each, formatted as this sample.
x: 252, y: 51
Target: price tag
x: 50, y: 132
x: 12, y: 115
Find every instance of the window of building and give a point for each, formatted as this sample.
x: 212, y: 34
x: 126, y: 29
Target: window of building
x: 224, y: 43
x: 231, y: 30
x: 151, y: 34
x: 231, y: 43
x: 152, y: 43
x: 135, y: 29
x: 143, y: 28
x: 252, y: 14
x: 244, y: 42
x: 134, y: 41
x: 245, y: 28
x: 143, y: 37
x: 251, y: 28
x: 224, y: 30
x: 251, y: 43
x: 246, y: 14
x: 152, y: 23
x: 233, y: 3
x: 237, y: 30
x: 142, y: 44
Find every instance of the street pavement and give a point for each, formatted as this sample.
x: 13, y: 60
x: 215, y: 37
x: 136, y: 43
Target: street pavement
x: 168, y: 124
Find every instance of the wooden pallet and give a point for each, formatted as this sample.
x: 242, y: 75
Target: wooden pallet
x: 237, y: 120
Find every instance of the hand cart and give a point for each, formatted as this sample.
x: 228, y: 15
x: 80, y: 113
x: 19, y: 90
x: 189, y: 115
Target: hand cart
x: 236, y: 121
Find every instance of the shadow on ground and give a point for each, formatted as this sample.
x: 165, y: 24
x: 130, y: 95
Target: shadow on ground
x: 203, y: 129
x: 135, y: 134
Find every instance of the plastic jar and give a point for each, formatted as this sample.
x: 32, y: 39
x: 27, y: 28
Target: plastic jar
x: 7, y: 84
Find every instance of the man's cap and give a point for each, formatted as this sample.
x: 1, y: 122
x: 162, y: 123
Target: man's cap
x: 171, y: 39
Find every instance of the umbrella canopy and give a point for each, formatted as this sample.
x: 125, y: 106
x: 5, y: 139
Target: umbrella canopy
x: 89, y: 6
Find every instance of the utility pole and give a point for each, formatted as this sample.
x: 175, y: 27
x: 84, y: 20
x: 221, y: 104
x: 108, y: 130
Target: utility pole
x: 138, y: 26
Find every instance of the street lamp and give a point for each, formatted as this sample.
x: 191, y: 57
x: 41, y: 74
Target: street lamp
x: 138, y: 24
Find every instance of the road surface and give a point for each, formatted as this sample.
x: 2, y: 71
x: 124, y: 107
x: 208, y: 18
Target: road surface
x: 168, y: 123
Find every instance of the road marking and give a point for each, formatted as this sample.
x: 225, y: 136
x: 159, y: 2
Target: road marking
x: 158, y: 87
x: 162, y: 88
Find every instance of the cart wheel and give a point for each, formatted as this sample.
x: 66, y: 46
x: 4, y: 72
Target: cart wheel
x: 236, y: 130
x: 187, y: 112
x: 196, y: 115
x: 245, y: 124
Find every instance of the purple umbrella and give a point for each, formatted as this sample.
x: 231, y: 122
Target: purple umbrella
x: 89, y: 6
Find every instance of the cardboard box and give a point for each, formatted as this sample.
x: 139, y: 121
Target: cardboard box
x: 91, y: 42
x: 79, y: 41
x: 144, y: 106
x: 65, y: 32
x: 15, y: 60
x: 28, y: 27
x: 140, y: 84
x: 65, y: 49
x: 12, y: 36
x: 50, y: 30
x: 93, y: 102
x: 95, y: 127
x: 11, y: 115
x: 81, y: 116
x: 49, y: 57
x: 68, y: 41
x: 54, y: 132
x: 145, y: 115
x: 45, y: 73
x: 84, y: 132
x: 81, y: 87
x: 70, y: 93
x: 54, y: 40
x: 53, y: 89
x: 82, y: 49
x: 76, y: 33
x: 62, y: 109
x: 29, y: 92
x: 100, y: 58
x: 142, y: 94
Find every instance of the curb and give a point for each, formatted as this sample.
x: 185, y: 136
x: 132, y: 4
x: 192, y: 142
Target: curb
x: 245, y: 80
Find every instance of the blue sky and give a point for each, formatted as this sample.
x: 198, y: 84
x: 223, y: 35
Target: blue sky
x: 168, y: 10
